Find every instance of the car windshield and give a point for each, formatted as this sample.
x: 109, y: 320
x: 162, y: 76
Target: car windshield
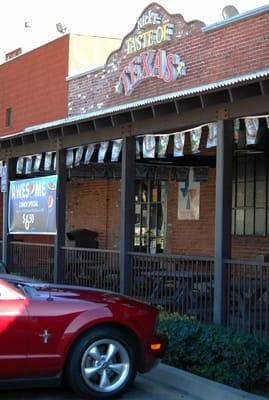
x: 21, y: 285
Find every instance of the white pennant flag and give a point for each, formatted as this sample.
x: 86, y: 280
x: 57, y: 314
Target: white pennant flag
x: 179, y: 141
x: 149, y: 143
x: 252, y: 126
x: 102, y: 151
x: 212, y: 138
x: 116, y: 149
x: 195, y: 139
x: 162, y: 146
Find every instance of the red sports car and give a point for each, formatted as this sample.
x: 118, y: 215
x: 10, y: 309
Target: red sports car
x: 96, y: 341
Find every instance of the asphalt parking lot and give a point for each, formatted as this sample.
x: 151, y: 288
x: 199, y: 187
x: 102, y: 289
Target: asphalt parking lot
x: 143, y: 389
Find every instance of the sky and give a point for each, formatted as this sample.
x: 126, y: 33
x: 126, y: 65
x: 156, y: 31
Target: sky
x: 109, y: 18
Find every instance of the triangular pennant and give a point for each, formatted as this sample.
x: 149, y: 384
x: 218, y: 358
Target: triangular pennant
x: 212, y: 138
x: 102, y: 151
x: 252, y: 126
x: 116, y: 149
x: 162, y: 145
x: 195, y: 135
x: 179, y: 141
x: 149, y: 143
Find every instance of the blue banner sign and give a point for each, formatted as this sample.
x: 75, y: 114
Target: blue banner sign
x: 32, y: 206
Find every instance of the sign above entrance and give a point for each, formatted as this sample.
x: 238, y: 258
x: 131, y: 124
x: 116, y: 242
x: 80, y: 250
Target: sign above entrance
x: 154, y: 30
x: 153, y: 63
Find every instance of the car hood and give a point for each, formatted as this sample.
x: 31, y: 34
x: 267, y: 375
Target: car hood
x: 85, y: 294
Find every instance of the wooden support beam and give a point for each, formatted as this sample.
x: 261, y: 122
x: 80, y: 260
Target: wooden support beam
x: 127, y: 215
x: 223, y: 217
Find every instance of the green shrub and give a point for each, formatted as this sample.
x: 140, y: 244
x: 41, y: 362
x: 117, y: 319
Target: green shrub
x: 215, y: 352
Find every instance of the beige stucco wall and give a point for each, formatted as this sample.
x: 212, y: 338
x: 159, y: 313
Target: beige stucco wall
x: 88, y: 52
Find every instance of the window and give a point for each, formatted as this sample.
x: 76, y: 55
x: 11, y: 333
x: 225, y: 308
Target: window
x: 9, y: 117
x: 150, y: 216
x: 250, y: 204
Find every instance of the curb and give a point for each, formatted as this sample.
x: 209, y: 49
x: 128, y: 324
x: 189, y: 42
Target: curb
x: 197, y: 386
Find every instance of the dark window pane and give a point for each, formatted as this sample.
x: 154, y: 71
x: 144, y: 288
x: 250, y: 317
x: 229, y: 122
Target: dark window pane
x: 153, y: 219
x: 241, y: 169
x: 249, y: 221
x: 249, y: 194
x: 260, y: 221
x: 240, y: 195
x: 260, y: 168
x: 144, y: 192
x: 9, y: 117
x: 239, y: 229
x: 233, y: 198
x: 233, y: 213
x: 250, y: 169
x: 260, y: 195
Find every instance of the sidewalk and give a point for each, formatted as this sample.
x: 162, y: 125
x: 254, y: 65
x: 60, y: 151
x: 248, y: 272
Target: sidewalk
x: 195, y: 386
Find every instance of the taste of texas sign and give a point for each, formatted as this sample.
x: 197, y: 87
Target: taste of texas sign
x: 152, y: 30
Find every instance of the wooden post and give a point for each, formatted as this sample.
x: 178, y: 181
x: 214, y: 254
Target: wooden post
x: 127, y: 215
x: 223, y: 217
x: 60, y: 216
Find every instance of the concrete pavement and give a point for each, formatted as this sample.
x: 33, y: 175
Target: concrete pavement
x: 162, y: 383
x: 144, y: 388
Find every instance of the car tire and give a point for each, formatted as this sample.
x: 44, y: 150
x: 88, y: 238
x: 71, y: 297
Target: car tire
x: 102, y: 363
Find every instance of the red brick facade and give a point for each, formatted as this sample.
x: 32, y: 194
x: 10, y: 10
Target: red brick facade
x: 232, y: 50
x: 34, y: 86
x: 95, y: 205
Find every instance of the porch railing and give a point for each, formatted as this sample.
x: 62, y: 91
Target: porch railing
x: 248, y: 296
x: 177, y: 283
x: 34, y: 260
x: 183, y: 284
x: 92, y: 268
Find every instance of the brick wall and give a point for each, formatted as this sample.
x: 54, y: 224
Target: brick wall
x: 34, y: 86
x: 95, y: 205
x: 235, y: 49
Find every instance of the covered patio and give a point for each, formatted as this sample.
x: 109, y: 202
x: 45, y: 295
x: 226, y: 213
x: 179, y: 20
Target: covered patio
x: 225, y: 280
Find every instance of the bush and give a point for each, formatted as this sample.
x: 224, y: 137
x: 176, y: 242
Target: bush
x: 215, y: 352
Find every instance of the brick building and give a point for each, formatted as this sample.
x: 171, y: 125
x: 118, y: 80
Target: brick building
x: 164, y: 150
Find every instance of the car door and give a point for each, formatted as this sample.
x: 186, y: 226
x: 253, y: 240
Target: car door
x: 49, y: 319
x: 14, y: 325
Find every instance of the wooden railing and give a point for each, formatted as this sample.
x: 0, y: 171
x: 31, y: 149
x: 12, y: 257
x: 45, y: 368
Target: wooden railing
x: 34, y: 260
x: 177, y: 283
x: 248, y: 296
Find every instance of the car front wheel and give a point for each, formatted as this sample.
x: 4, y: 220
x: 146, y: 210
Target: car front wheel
x: 101, y: 364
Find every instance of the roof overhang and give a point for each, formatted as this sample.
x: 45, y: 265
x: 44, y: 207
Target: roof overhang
x: 228, y: 91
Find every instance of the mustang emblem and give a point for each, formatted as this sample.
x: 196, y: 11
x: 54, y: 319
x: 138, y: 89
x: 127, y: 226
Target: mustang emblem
x: 45, y: 335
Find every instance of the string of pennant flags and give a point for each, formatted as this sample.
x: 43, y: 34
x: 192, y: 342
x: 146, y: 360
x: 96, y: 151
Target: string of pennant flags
x: 147, y: 146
